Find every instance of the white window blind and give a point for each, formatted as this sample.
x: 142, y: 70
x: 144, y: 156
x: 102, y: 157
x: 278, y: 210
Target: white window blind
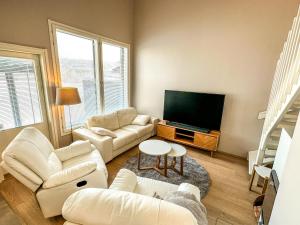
x: 19, y: 97
x: 77, y: 69
x: 115, y: 77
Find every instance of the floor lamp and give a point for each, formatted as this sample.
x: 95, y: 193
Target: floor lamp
x: 68, y: 96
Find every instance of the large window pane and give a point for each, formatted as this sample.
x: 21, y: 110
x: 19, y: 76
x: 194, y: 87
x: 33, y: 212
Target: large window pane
x: 19, y: 98
x: 115, y: 77
x: 77, y: 69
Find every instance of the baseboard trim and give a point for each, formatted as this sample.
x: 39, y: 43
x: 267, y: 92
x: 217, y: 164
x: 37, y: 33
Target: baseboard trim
x: 232, y: 155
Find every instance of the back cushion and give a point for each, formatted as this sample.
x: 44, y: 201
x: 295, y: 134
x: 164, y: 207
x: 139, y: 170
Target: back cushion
x: 126, y: 116
x: 31, y: 148
x: 98, y: 206
x: 108, y: 121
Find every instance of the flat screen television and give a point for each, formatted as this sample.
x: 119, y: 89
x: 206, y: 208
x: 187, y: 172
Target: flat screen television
x: 200, y: 110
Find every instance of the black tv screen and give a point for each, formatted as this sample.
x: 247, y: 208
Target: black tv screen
x: 195, y: 109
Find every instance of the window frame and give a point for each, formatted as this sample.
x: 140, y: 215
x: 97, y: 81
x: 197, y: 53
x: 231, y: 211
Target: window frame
x: 44, y: 83
x: 128, y: 70
x: 38, y: 82
x: 98, y: 55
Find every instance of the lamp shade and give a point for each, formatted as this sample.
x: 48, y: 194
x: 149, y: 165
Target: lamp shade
x: 67, y: 96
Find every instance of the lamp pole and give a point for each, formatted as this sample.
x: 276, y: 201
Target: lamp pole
x: 70, y: 122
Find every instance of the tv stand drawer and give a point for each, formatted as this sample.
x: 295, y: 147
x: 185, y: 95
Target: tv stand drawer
x: 206, y: 141
x: 166, y: 132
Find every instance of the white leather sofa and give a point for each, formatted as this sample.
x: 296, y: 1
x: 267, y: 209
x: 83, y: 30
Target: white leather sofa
x: 129, y: 200
x: 120, y: 123
x: 53, y: 174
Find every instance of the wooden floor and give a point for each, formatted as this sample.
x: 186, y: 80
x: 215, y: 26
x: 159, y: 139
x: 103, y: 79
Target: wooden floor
x: 228, y: 201
x: 6, y: 214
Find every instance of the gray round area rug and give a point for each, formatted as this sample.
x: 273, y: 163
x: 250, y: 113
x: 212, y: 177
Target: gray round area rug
x: 193, y: 172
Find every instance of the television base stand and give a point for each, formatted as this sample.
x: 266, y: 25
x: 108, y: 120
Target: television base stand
x: 189, y: 127
x: 208, y: 140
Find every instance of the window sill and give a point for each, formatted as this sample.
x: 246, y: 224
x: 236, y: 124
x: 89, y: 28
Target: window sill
x: 67, y: 131
x: 20, y: 127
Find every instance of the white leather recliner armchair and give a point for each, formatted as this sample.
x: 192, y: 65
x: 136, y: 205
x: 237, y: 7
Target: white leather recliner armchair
x: 53, y: 174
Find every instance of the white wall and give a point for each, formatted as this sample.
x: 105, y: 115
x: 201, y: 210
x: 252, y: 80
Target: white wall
x: 229, y: 47
x: 286, y: 210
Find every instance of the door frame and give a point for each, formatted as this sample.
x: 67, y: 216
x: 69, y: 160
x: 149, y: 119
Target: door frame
x: 47, y: 83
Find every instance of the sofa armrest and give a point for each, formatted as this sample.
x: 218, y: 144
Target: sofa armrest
x: 154, y: 120
x: 70, y: 174
x: 75, y: 149
x: 104, y: 144
x: 125, y: 180
x: 192, y: 189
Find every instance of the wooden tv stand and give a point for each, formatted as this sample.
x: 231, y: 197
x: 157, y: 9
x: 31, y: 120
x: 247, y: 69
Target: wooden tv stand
x: 207, y: 141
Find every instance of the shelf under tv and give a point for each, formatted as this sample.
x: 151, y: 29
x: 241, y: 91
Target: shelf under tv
x: 208, y: 140
x: 189, y: 127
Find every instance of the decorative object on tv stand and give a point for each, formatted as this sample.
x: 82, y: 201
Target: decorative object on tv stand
x: 68, y: 96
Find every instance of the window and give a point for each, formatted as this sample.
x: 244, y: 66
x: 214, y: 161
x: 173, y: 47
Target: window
x: 19, y: 97
x: 98, y: 67
x: 77, y: 69
x: 115, y: 77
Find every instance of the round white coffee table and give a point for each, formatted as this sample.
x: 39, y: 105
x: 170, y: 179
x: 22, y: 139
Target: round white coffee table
x: 155, y: 148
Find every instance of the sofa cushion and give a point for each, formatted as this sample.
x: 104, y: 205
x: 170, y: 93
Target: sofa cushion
x: 141, y: 120
x: 103, y: 132
x: 126, y: 116
x: 139, y: 130
x: 124, y: 137
x: 107, y: 121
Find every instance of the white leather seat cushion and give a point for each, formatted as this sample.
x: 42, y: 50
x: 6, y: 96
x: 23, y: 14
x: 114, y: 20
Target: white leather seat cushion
x: 147, y: 186
x: 93, y: 156
x: 126, y: 116
x: 140, y: 130
x: 107, y: 121
x: 124, y: 137
x: 105, y: 206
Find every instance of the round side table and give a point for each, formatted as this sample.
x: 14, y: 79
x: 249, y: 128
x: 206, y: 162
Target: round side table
x: 155, y: 148
x: 177, y: 151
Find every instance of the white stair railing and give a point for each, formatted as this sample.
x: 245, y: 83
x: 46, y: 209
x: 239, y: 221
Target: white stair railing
x: 285, y: 87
